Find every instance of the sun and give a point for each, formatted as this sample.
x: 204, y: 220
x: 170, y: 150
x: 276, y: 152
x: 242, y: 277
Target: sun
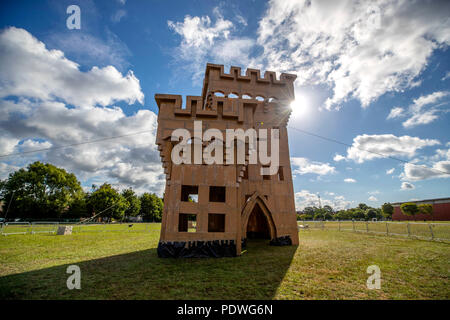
x: 299, y: 106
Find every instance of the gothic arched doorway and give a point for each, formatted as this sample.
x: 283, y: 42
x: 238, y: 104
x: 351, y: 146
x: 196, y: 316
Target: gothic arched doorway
x: 257, y: 221
x: 257, y: 225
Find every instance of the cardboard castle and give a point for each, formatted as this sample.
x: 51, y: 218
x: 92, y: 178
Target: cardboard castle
x: 212, y: 209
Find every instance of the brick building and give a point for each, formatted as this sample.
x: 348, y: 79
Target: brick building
x: 441, y: 210
x: 212, y: 209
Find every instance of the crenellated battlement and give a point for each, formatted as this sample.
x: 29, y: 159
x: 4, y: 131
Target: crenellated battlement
x: 251, y: 84
x: 236, y: 74
x: 225, y: 94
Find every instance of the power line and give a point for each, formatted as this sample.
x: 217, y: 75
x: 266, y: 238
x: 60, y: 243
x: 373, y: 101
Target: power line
x: 73, y: 144
x: 369, y: 151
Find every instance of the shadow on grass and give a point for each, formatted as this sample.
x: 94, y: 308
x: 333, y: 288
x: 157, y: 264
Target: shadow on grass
x: 142, y: 275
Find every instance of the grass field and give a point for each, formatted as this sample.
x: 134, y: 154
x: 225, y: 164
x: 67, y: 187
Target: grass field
x: 124, y: 265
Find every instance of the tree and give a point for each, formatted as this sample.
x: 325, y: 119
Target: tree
x: 358, y: 214
x: 39, y: 191
x: 388, y: 210
x: 133, y: 203
x: 409, y: 208
x: 343, y: 215
x: 328, y: 216
x: 78, y: 208
x: 370, y: 214
x: 363, y: 206
x: 426, y: 208
x: 319, y: 216
x: 304, y: 216
x: 309, y: 211
x: 379, y: 215
x: 151, y: 207
x: 328, y: 208
x: 109, y: 201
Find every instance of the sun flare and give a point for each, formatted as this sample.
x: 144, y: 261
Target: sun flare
x: 299, y: 106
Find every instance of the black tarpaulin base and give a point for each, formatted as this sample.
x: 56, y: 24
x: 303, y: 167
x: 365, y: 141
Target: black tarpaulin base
x: 197, y: 249
x: 281, y: 241
x: 244, y: 243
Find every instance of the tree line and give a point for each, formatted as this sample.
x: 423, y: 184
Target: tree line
x: 363, y: 212
x: 44, y: 191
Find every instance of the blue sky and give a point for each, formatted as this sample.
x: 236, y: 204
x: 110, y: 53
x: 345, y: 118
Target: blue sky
x: 373, y: 75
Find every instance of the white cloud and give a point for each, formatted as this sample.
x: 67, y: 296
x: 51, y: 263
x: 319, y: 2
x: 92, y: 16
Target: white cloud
x: 305, y: 198
x: 131, y: 160
x: 30, y: 145
x: 349, y: 180
x: 232, y: 50
x: 45, y: 82
x: 432, y: 98
x: 6, y: 169
x: 407, y: 186
x: 362, y: 49
x: 303, y: 166
x: 241, y: 20
x: 390, y: 171
x: 447, y: 76
x: 116, y: 17
x: 396, y: 112
x: 338, y: 157
x: 423, y: 110
x: 197, y: 32
x: 414, y: 172
x: 421, y: 118
x: 372, y: 198
x: 367, y: 147
x: 203, y: 40
x: 7, y: 144
x: 30, y: 70
x: 442, y: 154
x: 438, y: 166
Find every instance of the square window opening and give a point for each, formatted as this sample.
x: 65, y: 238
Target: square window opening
x: 187, y: 222
x: 217, y: 194
x: 216, y: 222
x: 189, y: 193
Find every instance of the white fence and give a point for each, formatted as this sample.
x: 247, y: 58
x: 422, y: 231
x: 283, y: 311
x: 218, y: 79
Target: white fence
x: 112, y: 227
x: 417, y: 230
x: 44, y: 227
x: 37, y: 227
x: 16, y: 228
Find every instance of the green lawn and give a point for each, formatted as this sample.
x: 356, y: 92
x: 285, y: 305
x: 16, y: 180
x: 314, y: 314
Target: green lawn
x: 124, y: 265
